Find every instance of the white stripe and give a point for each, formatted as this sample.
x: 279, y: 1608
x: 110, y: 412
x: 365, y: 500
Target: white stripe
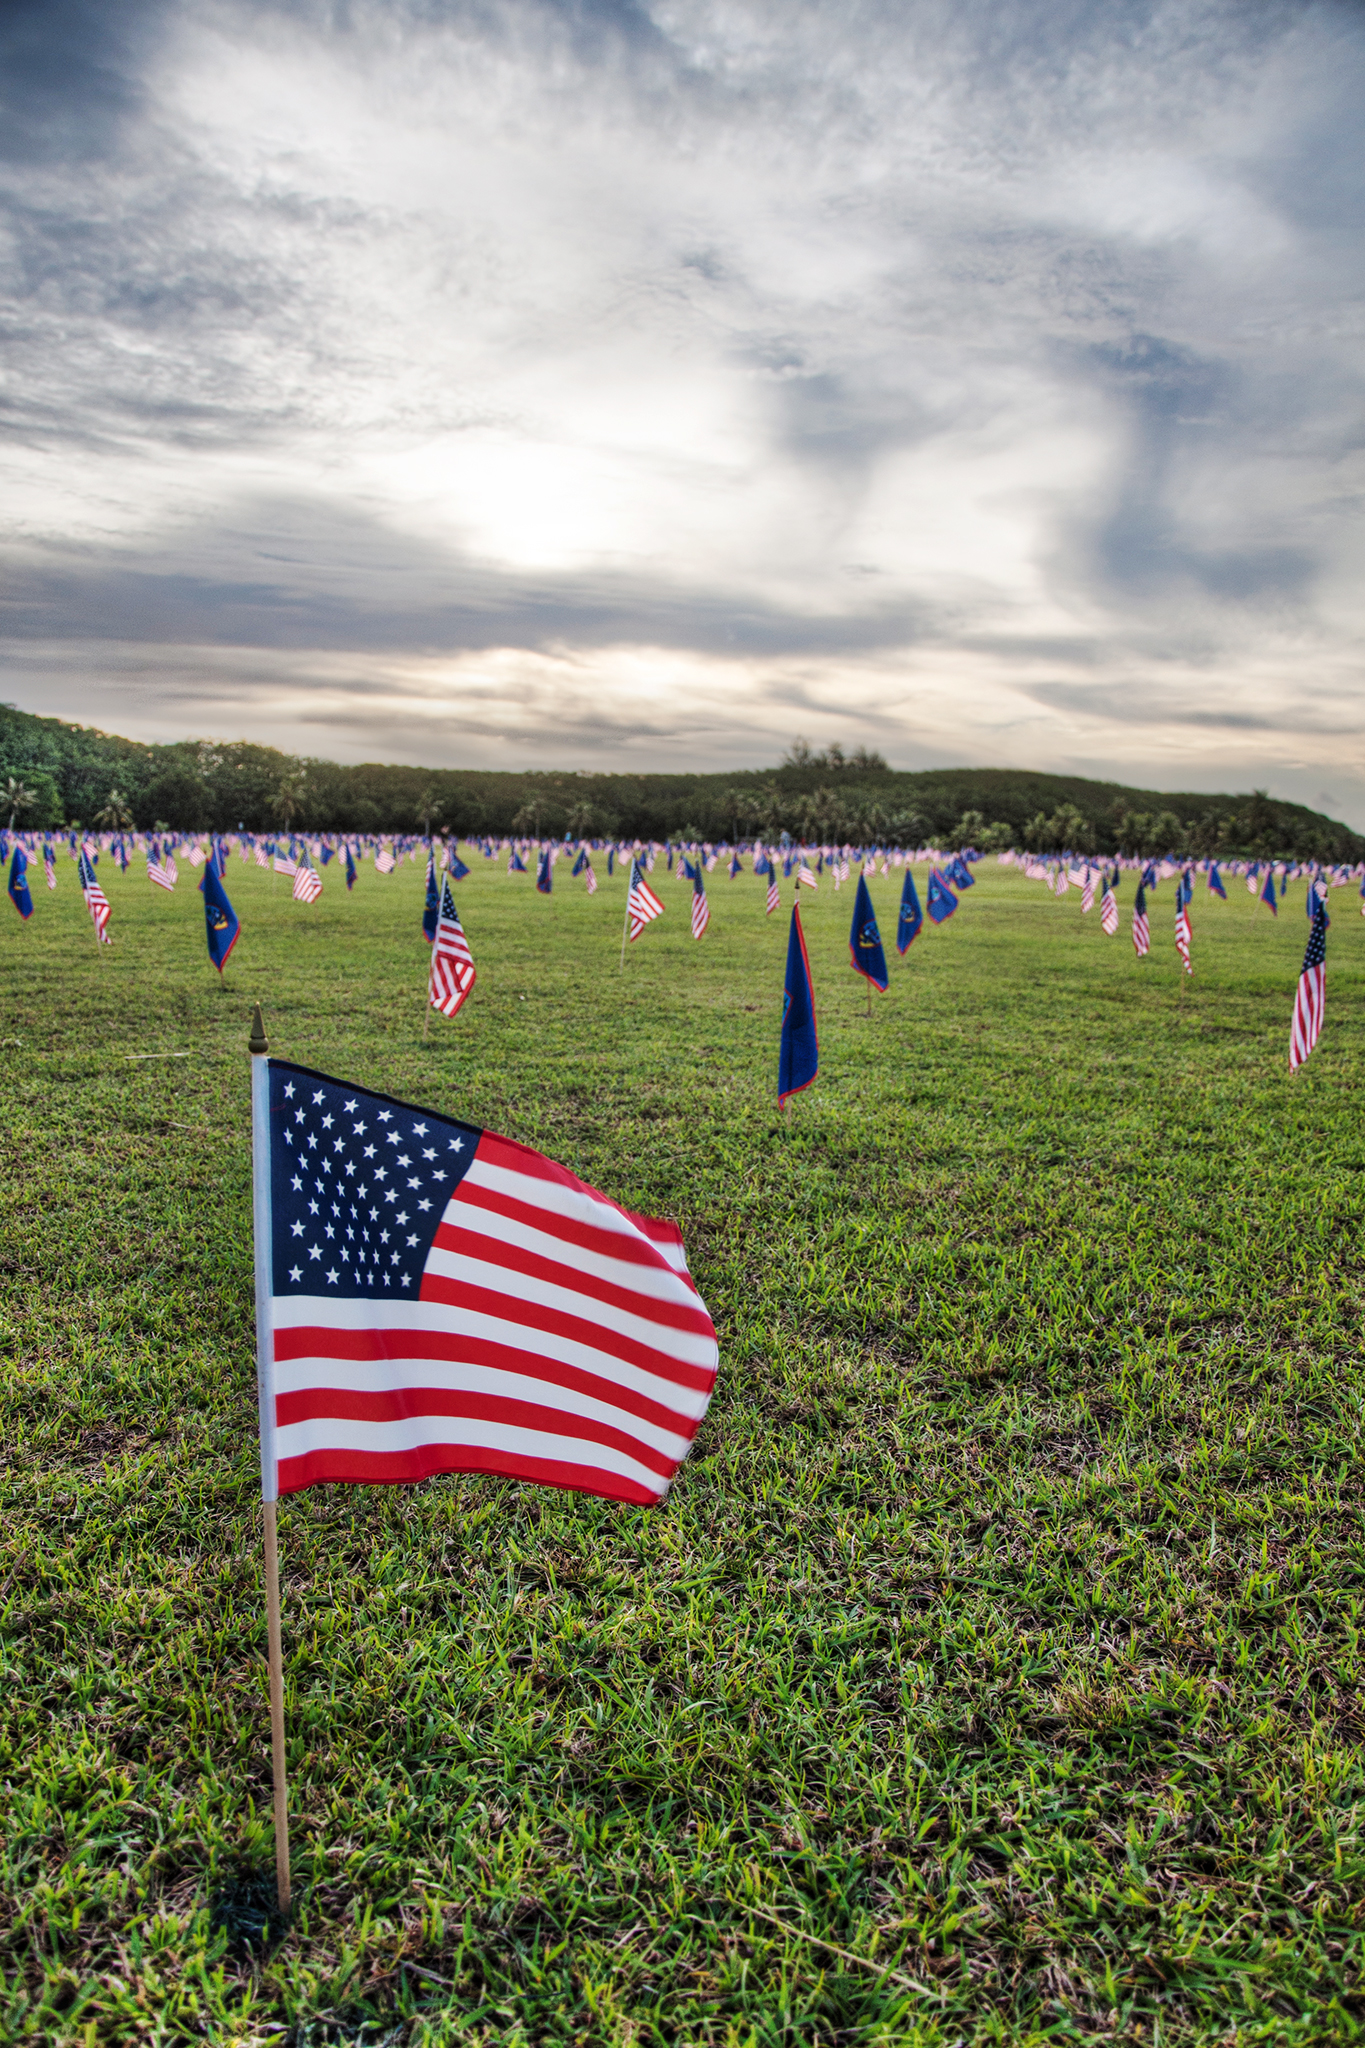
x: 657, y: 1283
x: 311, y: 1311
x: 416, y: 1431
x: 578, y: 1205
x: 397, y: 1375
x: 688, y: 1348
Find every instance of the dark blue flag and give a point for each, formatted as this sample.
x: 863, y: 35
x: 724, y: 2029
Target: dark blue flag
x: 350, y: 866
x: 221, y: 920
x: 798, y: 1059
x: 911, y: 919
x: 942, y: 902
x: 516, y: 865
x: 865, y: 941
x: 544, y: 878
x: 328, y: 853
x: 456, y: 866
x: 580, y: 863
x: 1216, y: 882
x: 959, y: 874
x: 611, y: 858
x: 432, y: 908
x: 18, y: 884
x: 1268, y: 892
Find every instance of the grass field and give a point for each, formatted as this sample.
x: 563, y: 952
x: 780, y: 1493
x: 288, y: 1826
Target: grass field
x: 994, y: 1671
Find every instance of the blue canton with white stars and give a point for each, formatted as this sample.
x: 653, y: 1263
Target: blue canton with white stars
x: 359, y: 1184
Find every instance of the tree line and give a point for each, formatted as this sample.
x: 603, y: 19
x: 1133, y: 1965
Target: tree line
x: 57, y: 775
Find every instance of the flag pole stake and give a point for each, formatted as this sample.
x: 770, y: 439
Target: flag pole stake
x: 276, y: 1657
x: 259, y: 1046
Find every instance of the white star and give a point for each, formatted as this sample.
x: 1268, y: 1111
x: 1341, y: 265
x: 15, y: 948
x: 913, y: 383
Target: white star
x: 299, y: 1115
x: 360, y: 1130
x: 430, y: 1154
x: 390, y: 1194
x: 314, y: 1251
x: 374, y: 1215
x: 297, y: 1229
x: 318, y: 1096
x: 385, y: 1115
x: 290, y: 1089
x: 404, y: 1160
x: 393, y: 1137
x: 457, y: 1144
x: 401, y: 1217
x: 381, y: 1173
x: 424, y: 1205
x: 413, y: 1238
x: 296, y: 1183
x: 350, y: 1166
x: 407, y: 1279
x: 312, y: 1142
x: 369, y: 1151
x: 419, y: 1130
x: 312, y: 1208
x: 348, y: 1106
x: 350, y: 1234
x: 383, y: 1237
x: 327, y: 1122
x: 329, y: 1229
x: 413, y: 1182
x: 332, y: 1276
x: 294, y: 1273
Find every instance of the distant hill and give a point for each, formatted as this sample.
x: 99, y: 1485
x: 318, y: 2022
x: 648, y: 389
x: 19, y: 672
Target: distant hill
x: 74, y: 771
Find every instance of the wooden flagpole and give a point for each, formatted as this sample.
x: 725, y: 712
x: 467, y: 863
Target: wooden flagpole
x: 265, y: 1394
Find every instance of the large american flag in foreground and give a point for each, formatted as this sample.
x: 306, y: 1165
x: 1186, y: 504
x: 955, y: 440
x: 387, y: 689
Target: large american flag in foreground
x: 443, y: 1300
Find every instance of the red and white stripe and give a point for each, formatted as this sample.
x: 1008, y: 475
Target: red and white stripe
x: 774, y: 889
x: 1309, y: 1003
x: 307, y: 884
x: 97, y: 903
x: 158, y: 872
x: 1182, y: 936
x: 642, y: 905
x: 1109, y: 913
x: 452, y: 963
x: 284, y: 865
x: 1142, y: 936
x: 557, y: 1339
x: 701, y: 912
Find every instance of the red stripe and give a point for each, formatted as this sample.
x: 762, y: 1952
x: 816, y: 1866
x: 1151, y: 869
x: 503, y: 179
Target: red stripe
x: 669, y: 1315
x: 514, y: 1158
x: 382, y: 1346
x: 505, y: 1308
x: 587, y: 1237
x: 336, y: 1404
x: 407, y: 1468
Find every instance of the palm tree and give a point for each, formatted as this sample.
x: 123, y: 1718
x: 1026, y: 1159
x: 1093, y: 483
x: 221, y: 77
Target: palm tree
x: 289, y: 798
x: 19, y: 797
x: 427, y: 811
x: 116, y: 816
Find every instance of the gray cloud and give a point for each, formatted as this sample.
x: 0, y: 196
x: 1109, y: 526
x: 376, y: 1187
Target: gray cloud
x: 878, y: 352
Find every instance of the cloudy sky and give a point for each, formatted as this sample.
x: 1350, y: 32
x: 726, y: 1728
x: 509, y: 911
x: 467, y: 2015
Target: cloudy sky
x: 643, y: 383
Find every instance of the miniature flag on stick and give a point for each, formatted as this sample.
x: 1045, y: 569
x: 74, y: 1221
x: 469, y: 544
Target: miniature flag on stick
x: 1311, y: 996
x: 221, y: 922
x: 1109, y: 907
x: 798, y: 1058
x: 642, y: 907
x: 96, y: 902
x: 17, y: 886
x: 452, y: 964
x: 701, y: 909
x: 307, y: 881
x: 865, y: 942
x: 1142, y: 937
x: 910, y: 922
x: 433, y: 1298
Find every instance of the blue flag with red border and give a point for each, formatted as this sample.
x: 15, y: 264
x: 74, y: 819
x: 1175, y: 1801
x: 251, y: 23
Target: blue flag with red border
x: 17, y: 885
x: 798, y: 1058
x: 911, y: 919
x: 221, y: 921
x: 865, y: 941
x: 942, y: 902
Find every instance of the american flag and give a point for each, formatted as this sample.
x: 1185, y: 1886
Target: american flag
x: 1109, y: 910
x: 452, y: 963
x: 1088, y: 891
x: 642, y: 905
x: 383, y: 860
x: 1182, y: 929
x: 285, y: 864
x: 701, y: 909
x: 438, y: 1299
x: 50, y: 868
x: 307, y: 882
x: 96, y: 902
x: 774, y: 888
x: 591, y: 884
x: 1142, y: 938
x: 262, y: 857
x: 806, y: 873
x: 159, y: 870
x: 1310, y: 1000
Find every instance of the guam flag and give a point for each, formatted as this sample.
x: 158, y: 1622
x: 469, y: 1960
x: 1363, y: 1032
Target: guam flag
x: 453, y: 861
x: 350, y: 867
x: 865, y: 941
x: 959, y: 874
x: 1268, y: 892
x: 432, y: 908
x: 544, y: 877
x: 1216, y: 882
x: 942, y: 902
x: 911, y: 919
x: 222, y: 923
x: 18, y: 884
x: 798, y: 1059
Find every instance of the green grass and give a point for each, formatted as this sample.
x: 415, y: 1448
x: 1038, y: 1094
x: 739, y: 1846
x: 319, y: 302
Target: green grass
x: 993, y: 1672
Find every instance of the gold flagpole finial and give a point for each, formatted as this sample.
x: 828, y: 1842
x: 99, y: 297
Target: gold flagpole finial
x: 258, y: 1042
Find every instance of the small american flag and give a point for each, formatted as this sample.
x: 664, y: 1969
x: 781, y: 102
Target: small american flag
x: 642, y: 905
x: 437, y: 1299
x: 96, y: 902
x: 307, y: 882
x: 1088, y: 891
x: 262, y: 857
x: 1142, y: 938
x: 284, y: 865
x: 591, y: 882
x: 157, y: 869
x: 701, y: 909
x: 1182, y: 929
x: 452, y: 963
x: 774, y: 888
x: 1109, y: 910
x: 806, y: 873
x: 383, y: 861
x: 1310, y: 1000
x: 50, y: 869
